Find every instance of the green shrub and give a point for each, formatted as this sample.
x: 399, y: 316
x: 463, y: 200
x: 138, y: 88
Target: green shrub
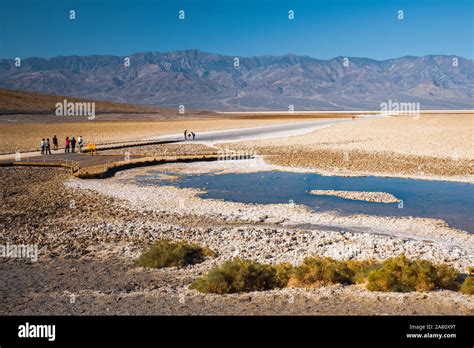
x: 467, y: 287
x: 284, y: 272
x: 402, y: 275
x: 167, y: 254
x: 321, y: 271
x: 239, y: 275
x: 394, y: 274
x: 361, y: 269
x: 317, y: 272
x: 447, y: 277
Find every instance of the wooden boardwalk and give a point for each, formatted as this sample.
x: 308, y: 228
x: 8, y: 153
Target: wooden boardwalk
x: 101, y: 166
x: 111, y: 167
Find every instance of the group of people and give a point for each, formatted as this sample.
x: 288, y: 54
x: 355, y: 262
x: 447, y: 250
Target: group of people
x: 70, y: 145
x: 188, y: 135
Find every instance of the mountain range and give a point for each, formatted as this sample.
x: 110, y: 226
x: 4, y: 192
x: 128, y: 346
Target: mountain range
x: 200, y: 80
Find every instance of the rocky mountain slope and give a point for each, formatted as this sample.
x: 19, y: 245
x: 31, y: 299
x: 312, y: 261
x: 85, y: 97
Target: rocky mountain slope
x: 215, y: 82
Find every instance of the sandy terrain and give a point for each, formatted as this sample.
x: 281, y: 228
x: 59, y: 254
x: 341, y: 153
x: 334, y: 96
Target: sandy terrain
x: 86, y: 249
x: 26, y: 137
x: 445, y: 136
x: 14, y: 102
x: 431, y: 146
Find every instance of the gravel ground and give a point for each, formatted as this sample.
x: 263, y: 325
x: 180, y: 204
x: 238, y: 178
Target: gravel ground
x: 89, y: 232
x: 389, y: 236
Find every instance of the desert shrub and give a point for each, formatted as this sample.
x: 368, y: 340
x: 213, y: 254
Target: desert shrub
x: 402, y: 275
x: 239, y: 275
x: 321, y: 271
x: 361, y: 269
x: 283, y: 274
x: 167, y: 254
x: 422, y: 275
x: 394, y: 274
x: 467, y: 287
x: 447, y: 277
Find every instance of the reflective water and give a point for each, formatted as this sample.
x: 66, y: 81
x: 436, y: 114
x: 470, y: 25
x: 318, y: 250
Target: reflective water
x: 449, y: 201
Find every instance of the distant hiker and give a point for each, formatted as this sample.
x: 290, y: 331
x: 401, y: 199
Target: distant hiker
x: 73, y: 144
x: 80, y: 141
x: 48, y: 147
x: 194, y: 135
x: 55, y: 143
x: 66, y: 143
x: 42, y: 145
x: 185, y: 134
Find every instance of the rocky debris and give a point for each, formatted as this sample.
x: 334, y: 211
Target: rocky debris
x: 89, y: 233
x: 272, y: 229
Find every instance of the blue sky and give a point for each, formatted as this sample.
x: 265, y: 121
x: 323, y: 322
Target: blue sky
x: 321, y: 28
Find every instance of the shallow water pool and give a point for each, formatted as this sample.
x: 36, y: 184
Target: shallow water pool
x: 449, y: 201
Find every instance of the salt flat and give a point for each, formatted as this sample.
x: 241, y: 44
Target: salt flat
x: 435, y: 146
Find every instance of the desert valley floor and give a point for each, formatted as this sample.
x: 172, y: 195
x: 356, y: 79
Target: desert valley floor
x: 87, y: 249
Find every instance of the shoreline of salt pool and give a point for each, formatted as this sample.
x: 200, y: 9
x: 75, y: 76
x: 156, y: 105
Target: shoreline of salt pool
x: 446, y: 201
x: 368, y: 236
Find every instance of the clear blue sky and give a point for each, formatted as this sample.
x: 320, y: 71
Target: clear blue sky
x: 321, y: 28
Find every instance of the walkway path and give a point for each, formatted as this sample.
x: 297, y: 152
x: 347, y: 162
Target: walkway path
x: 75, y: 160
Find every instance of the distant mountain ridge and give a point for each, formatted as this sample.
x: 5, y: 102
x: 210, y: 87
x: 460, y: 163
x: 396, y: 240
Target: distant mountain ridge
x: 201, y: 80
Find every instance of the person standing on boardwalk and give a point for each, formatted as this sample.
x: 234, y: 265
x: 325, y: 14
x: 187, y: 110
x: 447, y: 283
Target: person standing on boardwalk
x: 194, y: 135
x: 48, y: 147
x: 67, y: 144
x: 55, y: 142
x: 73, y: 144
x: 42, y: 144
x: 80, y: 141
x: 185, y: 134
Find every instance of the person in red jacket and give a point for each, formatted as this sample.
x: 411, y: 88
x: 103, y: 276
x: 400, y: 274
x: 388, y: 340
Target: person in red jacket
x: 67, y: 143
